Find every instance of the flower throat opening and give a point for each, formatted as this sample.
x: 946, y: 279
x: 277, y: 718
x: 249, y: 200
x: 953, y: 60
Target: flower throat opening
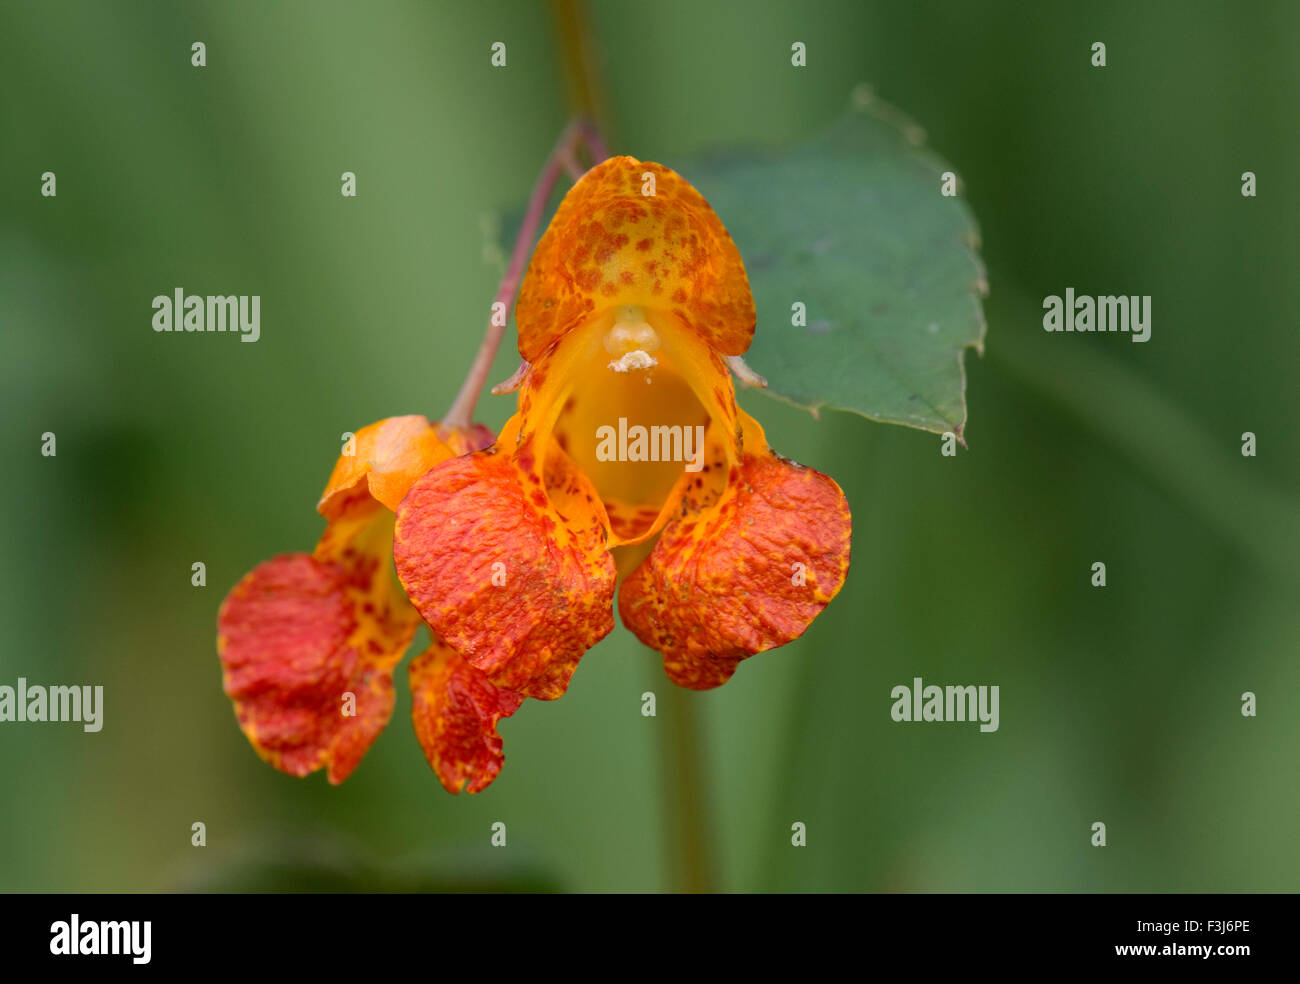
x: 631, y: 420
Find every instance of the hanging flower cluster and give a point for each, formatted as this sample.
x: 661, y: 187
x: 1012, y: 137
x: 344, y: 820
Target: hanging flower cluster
x: 628, y: 463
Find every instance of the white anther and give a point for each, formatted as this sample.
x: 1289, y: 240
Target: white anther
x: 636, y: 359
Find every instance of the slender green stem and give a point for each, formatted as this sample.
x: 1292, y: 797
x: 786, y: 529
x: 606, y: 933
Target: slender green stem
x: 685, y: 791
x: 578, y: 55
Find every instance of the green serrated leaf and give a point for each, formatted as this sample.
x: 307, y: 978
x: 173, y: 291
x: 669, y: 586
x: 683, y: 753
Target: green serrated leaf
x: 853, y: 226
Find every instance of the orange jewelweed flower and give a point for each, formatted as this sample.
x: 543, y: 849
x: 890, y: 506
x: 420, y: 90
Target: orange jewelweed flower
x: 308, y: 642
x: 627, y: 429
x: 628, y: 454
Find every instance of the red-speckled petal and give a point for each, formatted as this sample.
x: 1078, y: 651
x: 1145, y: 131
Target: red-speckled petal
x: 509, y: 566
x: 456, y: 710
x: 742, y: 574
x: 308, y: 667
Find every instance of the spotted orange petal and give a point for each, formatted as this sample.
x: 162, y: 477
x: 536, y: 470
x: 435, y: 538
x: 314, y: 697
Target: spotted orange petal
x: 456, y: 710
x: 612, y: 242
x: 742, y: 574
x: 509, y: 565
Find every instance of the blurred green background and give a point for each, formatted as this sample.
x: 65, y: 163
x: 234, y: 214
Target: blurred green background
x: 1119, y: 704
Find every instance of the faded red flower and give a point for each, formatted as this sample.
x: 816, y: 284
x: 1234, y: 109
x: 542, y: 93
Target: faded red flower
x: 308, y: 642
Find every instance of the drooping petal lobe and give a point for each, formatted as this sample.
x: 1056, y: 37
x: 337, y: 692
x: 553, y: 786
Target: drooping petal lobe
x: 698, y: 671
x: 745, y: 574
x: 456, y: 709
x: 508, y: 564
x: 635, y: 233
x: 309, y: 673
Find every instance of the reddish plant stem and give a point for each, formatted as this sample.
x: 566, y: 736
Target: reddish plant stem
x: 563, y: 159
